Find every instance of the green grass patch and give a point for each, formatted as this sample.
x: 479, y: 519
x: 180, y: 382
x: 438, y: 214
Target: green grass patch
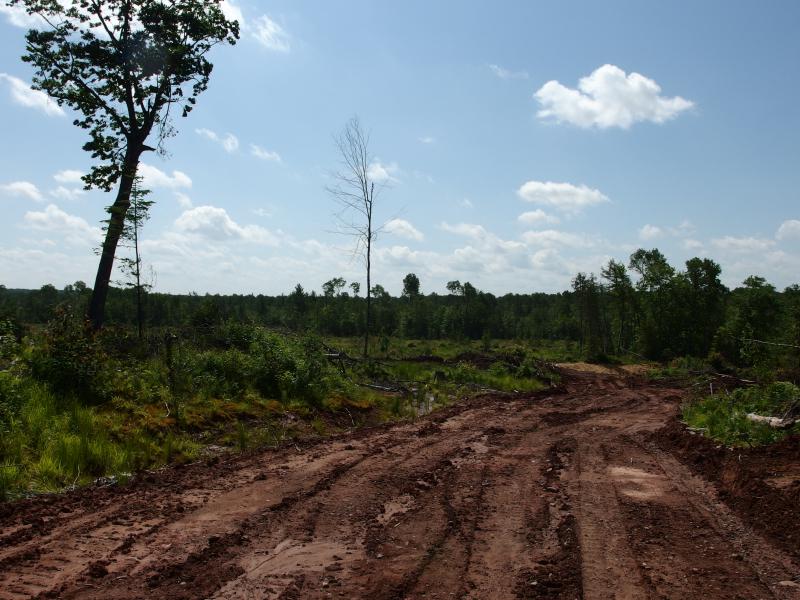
x: 723, y: 417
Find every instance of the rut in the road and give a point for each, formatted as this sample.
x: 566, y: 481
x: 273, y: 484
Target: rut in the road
x: 553, y: 495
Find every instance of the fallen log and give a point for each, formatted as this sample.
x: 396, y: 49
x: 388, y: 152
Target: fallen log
x: 774, y: 422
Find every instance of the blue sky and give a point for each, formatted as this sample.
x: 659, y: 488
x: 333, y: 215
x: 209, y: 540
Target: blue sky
x: 520, y: 142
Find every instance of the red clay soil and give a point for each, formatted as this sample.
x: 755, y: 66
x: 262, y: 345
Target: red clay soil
x: 762, y: 485
x: 565, y: 494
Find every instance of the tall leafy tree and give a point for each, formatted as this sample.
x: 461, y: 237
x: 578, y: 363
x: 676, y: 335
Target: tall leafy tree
x: 333, y: 287
x: 410, y: 286
x: 705, y: 304
x: 655, y: 292
x: 122, y: 66
x: 623, y: 298
x: 756, y: 315
x: 588, y: 293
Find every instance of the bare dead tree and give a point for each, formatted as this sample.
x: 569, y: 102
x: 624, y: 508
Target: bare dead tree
x: 355, y: 191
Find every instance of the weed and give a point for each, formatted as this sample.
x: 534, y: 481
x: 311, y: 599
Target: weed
x: 9, y: 473
x: 242, y: 436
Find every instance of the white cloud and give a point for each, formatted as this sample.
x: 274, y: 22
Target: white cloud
x: 229, y: 142
x: 69, y: 176
x: 608, y: 97
x: 24, y: 189
x: 788, y: 229
x: 73, y: 228
x: 427, y: 139
x: 403, y: 256
x: 693, y: 245
x: 465, y: 229
x: 271, y: 35
x: 381, y: 173
x: 264, y: 154
x: 508, y: 74
x: 65, y: 193
x: 214, y: 223
x: 262, y: 212
x: 565, y: 197
x: 467, y: 203
x: 23, y: 95
x: 232, y: 12
x: 184, y: 201
x: 486, y: 252
x: 156, y: 178
x: 685, y: 228
x: 650, y: 232
x: 553, y: 237
x: 18, y: 17
x: 402, y: 228
x: 742, y: 244
x: 537, y: 217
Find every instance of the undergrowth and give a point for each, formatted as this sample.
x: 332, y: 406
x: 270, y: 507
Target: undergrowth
x: 723, y: 416
x: 76, y: 406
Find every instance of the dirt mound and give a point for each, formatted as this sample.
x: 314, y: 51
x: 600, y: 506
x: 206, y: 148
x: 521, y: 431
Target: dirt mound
x: 761, y: 484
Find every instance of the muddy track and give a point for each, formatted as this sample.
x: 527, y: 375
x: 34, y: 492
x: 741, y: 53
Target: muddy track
x: 562, y: 494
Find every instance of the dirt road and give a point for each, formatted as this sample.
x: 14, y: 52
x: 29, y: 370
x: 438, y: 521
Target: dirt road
x: 562, y: 494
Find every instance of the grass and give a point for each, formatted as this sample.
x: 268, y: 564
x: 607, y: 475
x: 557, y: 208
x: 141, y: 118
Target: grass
x: 723, y: 417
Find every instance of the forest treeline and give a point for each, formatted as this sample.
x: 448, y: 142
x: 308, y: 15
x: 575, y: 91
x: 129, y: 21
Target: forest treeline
x: 646, y: 307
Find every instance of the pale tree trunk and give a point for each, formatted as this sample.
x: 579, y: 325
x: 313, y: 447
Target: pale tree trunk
x: 138, y: 273
x: 369, y: 295
x: 369, y: 196
x: 116, y: 223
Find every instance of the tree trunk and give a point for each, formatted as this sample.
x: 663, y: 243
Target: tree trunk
x: 369, y: 293
x: 116, y: 222
x: 138, y: 263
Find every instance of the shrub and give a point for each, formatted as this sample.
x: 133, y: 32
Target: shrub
x: 224, y: 373
x: 69, y: 358
x: 273, y: 365
x: 9, y: 339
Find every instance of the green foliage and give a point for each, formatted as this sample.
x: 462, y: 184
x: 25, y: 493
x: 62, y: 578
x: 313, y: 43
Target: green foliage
x: 10, y: 400
x: 9, y: 338
x: 9, y: 474
x: 724, y: 416
x: 70, y: 357
x: 121, y: 66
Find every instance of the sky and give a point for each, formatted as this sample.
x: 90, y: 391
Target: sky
x: 515, y: 144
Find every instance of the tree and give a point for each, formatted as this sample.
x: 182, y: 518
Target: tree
x: 622, y: 293
x: 136, y: 216
x: 122, y: 65
x: 655, y: 286
x: 410, y: 286
x: 455, y: 288
x: 332, y: 287
x: 587, y: 294
x: 354, y: 189
x: 706, y: 304
x: 756, y: 316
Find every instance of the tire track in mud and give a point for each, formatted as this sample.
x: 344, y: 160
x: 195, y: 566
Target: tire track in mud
x: 202, y: 563
x: 550, y: 495
x: 422, y: 480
